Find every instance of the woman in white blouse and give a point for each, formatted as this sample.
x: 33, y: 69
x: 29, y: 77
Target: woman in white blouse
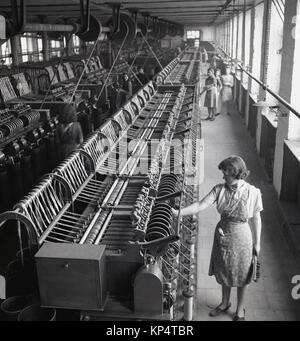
x: 234, y: 247
x: 226, y: 93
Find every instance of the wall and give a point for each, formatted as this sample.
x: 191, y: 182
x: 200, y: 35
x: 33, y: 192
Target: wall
x: 171, y: 42
x: 288, y: 127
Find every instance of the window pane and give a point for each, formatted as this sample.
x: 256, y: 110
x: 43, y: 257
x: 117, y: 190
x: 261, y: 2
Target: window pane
x: 276, y: 39
x: 259, y: 14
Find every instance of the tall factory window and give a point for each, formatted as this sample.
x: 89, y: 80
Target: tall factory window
x: 276, y: 39
x: 76, y: 44
x: 194, y: 37
x: 240, y: 35
x: 56, y: 48
x: 247, y: 46
x: 234, y: 37
x: 230, y: 36
x: 294, y: 53
x: 5, y: 52
x: 257, y: 45
x: 193, y: 34
x: 40, y: 48
x: 29, y: 47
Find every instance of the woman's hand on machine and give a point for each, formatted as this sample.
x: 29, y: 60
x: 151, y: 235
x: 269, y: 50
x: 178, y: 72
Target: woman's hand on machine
x: 175, y: 212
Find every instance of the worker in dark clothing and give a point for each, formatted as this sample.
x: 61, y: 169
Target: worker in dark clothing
x: 69, y: 133
x: 124, y: 92
x: 142, y: 77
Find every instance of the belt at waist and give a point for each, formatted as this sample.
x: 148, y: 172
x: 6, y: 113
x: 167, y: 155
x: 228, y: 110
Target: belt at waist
x: 233, y: 220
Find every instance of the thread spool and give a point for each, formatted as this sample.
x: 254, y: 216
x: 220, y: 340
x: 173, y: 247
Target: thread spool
x: 188, y: 304
x: 191, y: 243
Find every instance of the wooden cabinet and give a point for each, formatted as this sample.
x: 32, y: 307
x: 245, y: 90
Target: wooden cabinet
x: 72, y: 276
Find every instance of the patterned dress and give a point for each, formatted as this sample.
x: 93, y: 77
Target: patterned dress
x: 211, y: 94
x: 232, y: 250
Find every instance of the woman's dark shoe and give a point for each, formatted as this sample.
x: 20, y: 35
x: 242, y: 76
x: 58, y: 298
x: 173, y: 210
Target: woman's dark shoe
x: 217, y: 114
x: 218, y: 311
x: 238, y: 318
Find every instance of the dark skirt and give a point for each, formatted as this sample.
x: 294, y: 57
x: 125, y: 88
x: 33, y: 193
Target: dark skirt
x: 232, y: 254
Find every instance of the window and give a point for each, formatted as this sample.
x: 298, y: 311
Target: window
x: 257, y: 45
x: 240, y: 35
x: 56, y: 48
x: 40, y: 48
x: 247, y: 46
x: 231, y: 37
x: 5, y: 52
x: 234, y: 37
x: 193, y: 34
x: 275, y: 51
x: 76, y: 44
x: 29, y: 47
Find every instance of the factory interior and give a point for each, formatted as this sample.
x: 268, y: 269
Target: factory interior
x: 114, y: 119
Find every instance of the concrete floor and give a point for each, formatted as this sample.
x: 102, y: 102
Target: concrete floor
x: 270, y: 299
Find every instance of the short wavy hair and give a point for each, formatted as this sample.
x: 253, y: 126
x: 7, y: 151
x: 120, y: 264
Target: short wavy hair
x: 68, y: 114
x: 236, y: 167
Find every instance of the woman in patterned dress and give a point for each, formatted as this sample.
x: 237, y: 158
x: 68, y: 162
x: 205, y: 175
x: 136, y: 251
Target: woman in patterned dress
x: 233, y: 247
x: 210, y: 101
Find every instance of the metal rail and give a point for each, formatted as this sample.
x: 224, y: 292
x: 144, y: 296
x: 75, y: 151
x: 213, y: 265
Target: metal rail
x: 264, y: 86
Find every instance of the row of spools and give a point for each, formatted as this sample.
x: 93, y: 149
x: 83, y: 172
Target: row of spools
x: 25, y: 160
x: 161, y: 219
x: 19, y: 172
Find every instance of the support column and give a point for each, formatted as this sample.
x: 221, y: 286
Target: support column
x: 69, y: 45
x: 15, y: 50
x: 46, y: 46
x: 289, y: 126
x: 83, y: 48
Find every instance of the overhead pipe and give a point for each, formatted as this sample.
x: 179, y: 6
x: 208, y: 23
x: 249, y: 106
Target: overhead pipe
x: 35, y: 27
x: 17, y: 24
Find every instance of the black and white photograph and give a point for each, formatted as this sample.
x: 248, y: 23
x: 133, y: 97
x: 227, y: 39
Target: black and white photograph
x: 149, y: 163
